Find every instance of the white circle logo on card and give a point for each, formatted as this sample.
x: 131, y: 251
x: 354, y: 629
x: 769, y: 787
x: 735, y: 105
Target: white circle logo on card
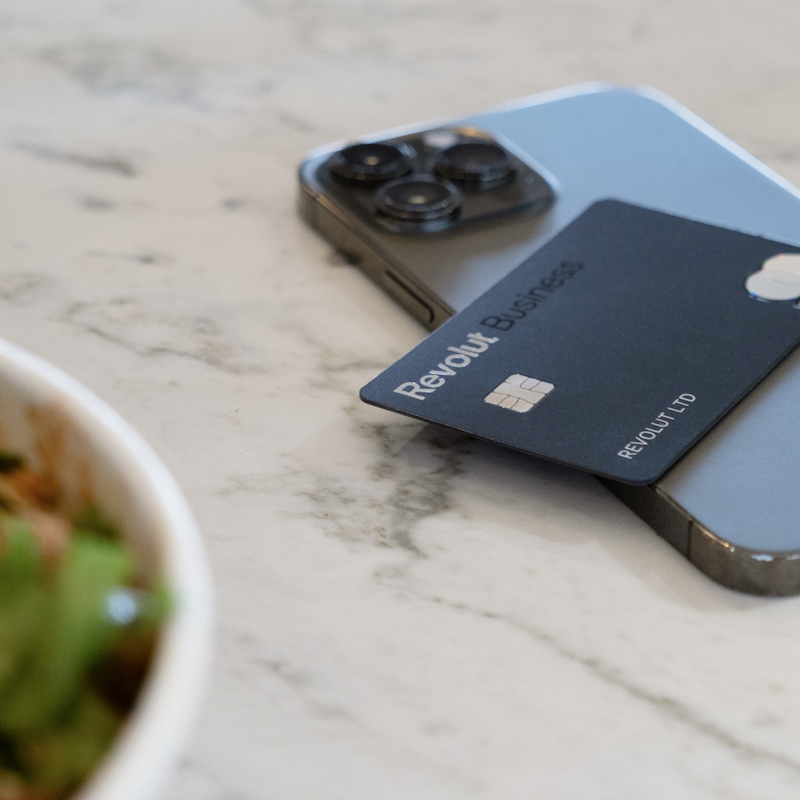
x: 778, y: 278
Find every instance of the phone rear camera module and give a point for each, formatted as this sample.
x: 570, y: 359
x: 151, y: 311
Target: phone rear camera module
x: 419, y: 199
x: 430, y: 181
x: 369, y: 163
x: 475, y: 165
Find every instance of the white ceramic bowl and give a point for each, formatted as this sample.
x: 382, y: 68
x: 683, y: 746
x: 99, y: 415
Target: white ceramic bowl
x: 73, y: 438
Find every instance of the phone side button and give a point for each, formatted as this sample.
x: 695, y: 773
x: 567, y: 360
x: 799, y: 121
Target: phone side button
x: 408, y: 297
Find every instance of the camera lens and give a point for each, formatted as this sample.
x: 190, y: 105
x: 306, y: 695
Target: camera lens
x: 369, y: 163
x: 418, y: 198
x: 479, y: 165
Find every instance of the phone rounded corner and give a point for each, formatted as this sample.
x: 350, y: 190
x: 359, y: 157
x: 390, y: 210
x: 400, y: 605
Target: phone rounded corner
x: 638, y: 90
x: 306, y: 172
x: 650, y: 94
x: 756, y: 572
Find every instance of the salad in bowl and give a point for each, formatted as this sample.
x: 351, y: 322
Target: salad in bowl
x: 105, y: 611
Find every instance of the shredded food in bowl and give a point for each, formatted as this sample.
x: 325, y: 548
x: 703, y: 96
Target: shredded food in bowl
x: 77, y: 631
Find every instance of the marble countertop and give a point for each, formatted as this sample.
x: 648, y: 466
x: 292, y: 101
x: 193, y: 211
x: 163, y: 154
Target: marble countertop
x: 402, y: 612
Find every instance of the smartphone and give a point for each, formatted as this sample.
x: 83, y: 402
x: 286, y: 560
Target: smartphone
x: 436, y: 213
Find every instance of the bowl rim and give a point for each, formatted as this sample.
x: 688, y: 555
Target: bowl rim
x: 140, y: 760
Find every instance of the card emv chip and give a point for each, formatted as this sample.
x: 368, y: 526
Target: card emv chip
x: 519, y: 393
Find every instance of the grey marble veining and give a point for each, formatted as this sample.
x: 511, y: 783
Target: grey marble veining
x: 402, y: 612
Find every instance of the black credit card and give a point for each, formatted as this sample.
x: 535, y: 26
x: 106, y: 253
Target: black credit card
x: 612, y: 349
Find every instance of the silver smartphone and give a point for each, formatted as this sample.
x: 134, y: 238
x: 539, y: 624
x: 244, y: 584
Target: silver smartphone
x: 513, y: 177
